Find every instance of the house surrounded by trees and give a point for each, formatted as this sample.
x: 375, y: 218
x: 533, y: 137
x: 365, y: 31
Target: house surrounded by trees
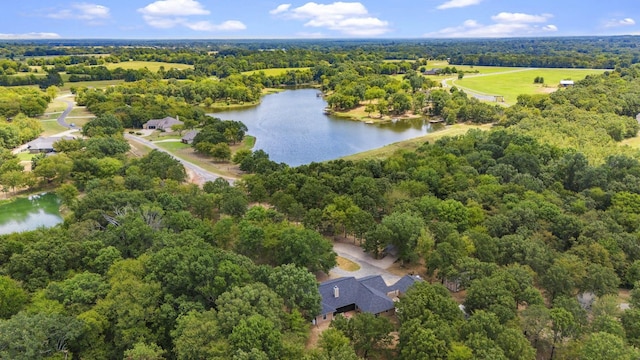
x: 162, y: 124
x: 369, y: 294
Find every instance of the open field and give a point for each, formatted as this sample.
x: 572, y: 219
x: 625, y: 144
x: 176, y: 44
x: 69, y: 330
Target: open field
x: 513, y: 83
x: 412, y: 144
x: 468, y: 68
x: 153, y: 66
x: 51, y: 127
x: 91, y: 84
x: 56, y: 106
x: 274, y: 71
x: 172, y: 146
x: 346, y: 264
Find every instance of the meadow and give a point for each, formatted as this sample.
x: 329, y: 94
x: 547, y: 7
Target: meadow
x: 153, y: 66
x: 274, y: 71
x: 511, y: 83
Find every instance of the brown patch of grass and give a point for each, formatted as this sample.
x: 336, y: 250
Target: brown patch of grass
x: 347, y: 265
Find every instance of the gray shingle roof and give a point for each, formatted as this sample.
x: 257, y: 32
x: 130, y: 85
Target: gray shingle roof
x: 368, y: 293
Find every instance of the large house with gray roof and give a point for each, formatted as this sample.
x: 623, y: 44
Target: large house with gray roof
x: 368, y: 294
x: 162, y: 124
x: 45, y: 144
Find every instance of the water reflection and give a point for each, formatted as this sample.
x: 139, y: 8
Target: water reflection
x: 30, y: 213
x: 293, y: 129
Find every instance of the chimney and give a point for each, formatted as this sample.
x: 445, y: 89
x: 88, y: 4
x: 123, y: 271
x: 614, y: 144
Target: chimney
x: 336, y: 291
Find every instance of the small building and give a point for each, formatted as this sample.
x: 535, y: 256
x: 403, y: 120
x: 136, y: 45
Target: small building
x: 189, y: 136
x: 45, y: 144
x: 434, y: 71
x: 368, y: 294
x: 162, y: 124
x: 566, y: 83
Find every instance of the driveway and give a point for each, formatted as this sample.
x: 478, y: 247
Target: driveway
x: 202, y: 174
x: 65, y: 113
x: 368, y: 265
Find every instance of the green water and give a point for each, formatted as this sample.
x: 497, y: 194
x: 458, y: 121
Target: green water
x: 30, y: 213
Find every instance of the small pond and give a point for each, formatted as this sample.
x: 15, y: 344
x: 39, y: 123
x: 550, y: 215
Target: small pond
x: 292, y: 128
x: 30, y: 213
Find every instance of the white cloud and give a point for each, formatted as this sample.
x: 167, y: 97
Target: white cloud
x: 458, y: 4
x: 92, y: 13
x: 505, y: 25
x: 166, y: 14
x: 229, y: 25
x: 349, y: 18
x: 620, y: 22
x: 505, y: 17
x: 31, y: 35
x: 280, y: 9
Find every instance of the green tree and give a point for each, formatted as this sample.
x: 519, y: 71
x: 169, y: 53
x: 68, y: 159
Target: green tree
x: 12, y: 297
x: 298, y: 287
x: 256, y: 332
x: 367, y: 332
x: 144, y: 351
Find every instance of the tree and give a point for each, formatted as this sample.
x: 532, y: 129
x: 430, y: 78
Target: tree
x: 335, y: 345
x: 162, y: 165
x: 197, y: 336
x: 366, y: 331
x: 220, y: 152
x: 144, y: 351
x: 12, y: 297
x: 37, y: 336
x: 257, y: 332
x: 418, y: 342
x: 55, y: 167
x: 297, y: 287
x: 103, y: 125
x: 604, y: 346
x: 241, y: 302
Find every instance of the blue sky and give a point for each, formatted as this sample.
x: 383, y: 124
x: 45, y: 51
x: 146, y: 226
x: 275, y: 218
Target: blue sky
x: 218, y: 19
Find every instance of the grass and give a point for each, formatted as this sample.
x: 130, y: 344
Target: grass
x: 25, y: 156
x: 56, y: 106
x: 247, y: 144
x: 633, y: 142
x: 413, y: 144
x: 138, y: 150
x: 81, y: 111
x: 512, y: 84
x: 274, y: 71
x: 153, y: 66
x: 91, y: 84
x: 172, y: 146
x: 346, y: 264
x: 51, y: 127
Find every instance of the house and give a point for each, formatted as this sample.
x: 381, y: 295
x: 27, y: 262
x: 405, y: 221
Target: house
x: 162, y: 124
x: 45, y: 144
x: 434, y: 71
x: 188, y: 137
x: 566, y: 83
x: 368, y: 294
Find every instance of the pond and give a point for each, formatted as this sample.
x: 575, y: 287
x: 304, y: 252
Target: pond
x: 30, y: 213
x: 292, y: 128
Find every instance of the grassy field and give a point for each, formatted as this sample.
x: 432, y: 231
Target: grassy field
x: 274, y: 71
x: 172, y: 146
x: 90, y: 84
x: 153, y: 66
x: 346, y: 264
x: 512, y: 84
x: 412, y: 144
x: 51, y: 127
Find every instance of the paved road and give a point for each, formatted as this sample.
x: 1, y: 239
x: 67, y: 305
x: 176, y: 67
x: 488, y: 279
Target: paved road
x: 202, y: 174
x: 368, y: 265
x: 65, y: 113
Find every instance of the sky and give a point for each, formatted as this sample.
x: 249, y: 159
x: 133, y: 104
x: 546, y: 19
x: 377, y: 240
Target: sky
x: 265, y: 19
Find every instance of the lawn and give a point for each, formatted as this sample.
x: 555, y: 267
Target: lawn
x: 56, y: 106
x: 274, y: 71
x: 512, y: 84
x: 91, y: 84
x: 172, y: 146
x: 51, y: 127
x: 413, y: 144
x: 153, y: 66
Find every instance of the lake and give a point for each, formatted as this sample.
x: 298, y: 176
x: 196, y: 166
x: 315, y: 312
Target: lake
x: 30, y: 213
x: 292, y: 128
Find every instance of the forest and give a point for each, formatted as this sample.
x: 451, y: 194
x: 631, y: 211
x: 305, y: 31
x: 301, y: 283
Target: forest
x: 536, y: 220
